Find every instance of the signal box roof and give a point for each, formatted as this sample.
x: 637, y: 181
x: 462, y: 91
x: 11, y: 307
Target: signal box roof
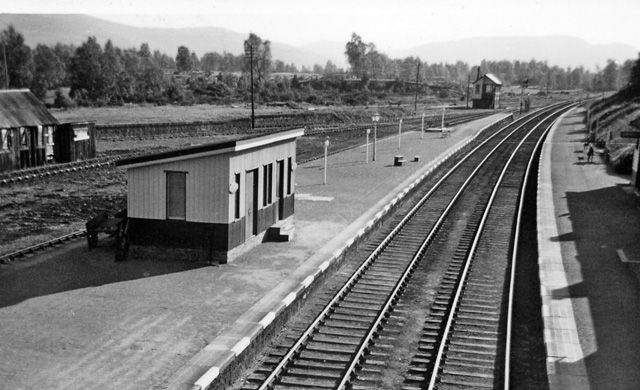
x: 492, y: 77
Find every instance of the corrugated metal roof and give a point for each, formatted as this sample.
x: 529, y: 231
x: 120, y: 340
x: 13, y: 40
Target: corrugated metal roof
x: 243, y: 143
x: 21, y: 108
x: 493, y: 78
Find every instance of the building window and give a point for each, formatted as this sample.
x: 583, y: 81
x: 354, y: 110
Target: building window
x: 176, y: 195
x: 23, y: 136
x: 488, y: 88
x: 267, y: 184
x: 3, y: 139
x: 39, y: 138
x: 477, y: 89
x: 289, y: 175
x: 236, y: 197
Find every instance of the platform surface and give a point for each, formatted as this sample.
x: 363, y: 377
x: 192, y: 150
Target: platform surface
x: 591, y: 299
x: 74, y: 319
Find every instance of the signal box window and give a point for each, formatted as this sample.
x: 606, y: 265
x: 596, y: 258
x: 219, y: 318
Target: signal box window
x: 176, y: 195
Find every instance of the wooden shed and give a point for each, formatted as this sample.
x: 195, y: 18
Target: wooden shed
x: 26, y: 130
x: 486, y: 91
x: 74, y: 141
x: 218, y: 199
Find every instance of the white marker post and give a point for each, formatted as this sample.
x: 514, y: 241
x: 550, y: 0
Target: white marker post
x: 399, y: 133
x: 442, y: 124
x: 367, y: 147
x: 375, y: 119
x: 326, y: 148
x: 422, y: 128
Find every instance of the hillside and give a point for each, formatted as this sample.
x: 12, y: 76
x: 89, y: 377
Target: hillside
x: 556, y: 50
x: 74, y: 29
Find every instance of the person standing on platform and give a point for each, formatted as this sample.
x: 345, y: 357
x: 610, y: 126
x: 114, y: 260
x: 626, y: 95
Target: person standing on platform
x: 590, y: 153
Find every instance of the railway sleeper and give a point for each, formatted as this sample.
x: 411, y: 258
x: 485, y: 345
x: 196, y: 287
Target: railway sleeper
x: 482, y: 319
x: 316, y: 372
x: 493, y: 315
x: 328, y: 330
x: 312, y: 383
x: 470, y: 364
x: 347, y: 304
x: 322, y: 356
x: 346, y: 324
x: 464, y: 344
x: 329, y: 348
x: 336, y: 340
x: 314, y: 364
x: 459, y: 382
x: 357, y: 311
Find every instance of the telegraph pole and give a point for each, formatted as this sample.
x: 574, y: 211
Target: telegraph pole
x: 6, y: 69
x: 468, y: 82
x: 415, y: 101
x: 253, y: 120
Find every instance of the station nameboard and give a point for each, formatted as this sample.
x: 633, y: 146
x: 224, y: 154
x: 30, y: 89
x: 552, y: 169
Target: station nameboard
x: 630, y: 134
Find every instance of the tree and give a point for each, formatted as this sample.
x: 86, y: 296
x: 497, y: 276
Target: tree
x: 356, y: 51
x: 183, y: 59
x: 258, y: 53
x: 330, y: 68
x: 49, y: 71
x: 19, y: 61
x: 634, y: 79
x: 111, y: 71
x: 86, y: 72
x: 610, y: 76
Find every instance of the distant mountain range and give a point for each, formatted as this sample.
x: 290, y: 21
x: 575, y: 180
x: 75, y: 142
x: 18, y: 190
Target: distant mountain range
x: 556, y: 50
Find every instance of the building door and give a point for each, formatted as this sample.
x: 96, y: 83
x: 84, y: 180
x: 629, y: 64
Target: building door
x: 251, y: 203
x: 280, y: 188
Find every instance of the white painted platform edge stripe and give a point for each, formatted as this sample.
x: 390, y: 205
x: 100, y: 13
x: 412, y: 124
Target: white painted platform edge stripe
x: 307, y: 281
x: 241, y: 345
x: 322, y: 267
x: 205, y: 380
x: 289, y: 299
x: 267, y: 319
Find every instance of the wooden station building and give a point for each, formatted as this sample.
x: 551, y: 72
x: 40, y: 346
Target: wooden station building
x: 218, y: 199
x: 486, y: 91
x: 26, y: 130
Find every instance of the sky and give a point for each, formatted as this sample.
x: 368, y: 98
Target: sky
x: 390, y: 24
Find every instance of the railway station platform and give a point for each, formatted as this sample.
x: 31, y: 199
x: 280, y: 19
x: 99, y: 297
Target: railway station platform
x: 75, y: 319
x: 589, y: 258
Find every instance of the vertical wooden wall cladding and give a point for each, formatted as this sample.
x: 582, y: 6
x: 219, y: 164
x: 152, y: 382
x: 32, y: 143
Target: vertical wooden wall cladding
x: 74, y: 141
x: 207, y: 189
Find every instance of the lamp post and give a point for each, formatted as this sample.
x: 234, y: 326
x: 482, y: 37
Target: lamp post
x: 375, y: 119
x: 399, y: 133
x: 326, y: 148
x: 367, y: 147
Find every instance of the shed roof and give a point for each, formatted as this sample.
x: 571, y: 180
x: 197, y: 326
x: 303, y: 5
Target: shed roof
x: 236, y: 145
x: 492, y: 77
x: 21, y: 108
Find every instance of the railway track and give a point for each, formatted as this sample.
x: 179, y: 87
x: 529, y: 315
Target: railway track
x: 25, y: 175
x: 350, y: 339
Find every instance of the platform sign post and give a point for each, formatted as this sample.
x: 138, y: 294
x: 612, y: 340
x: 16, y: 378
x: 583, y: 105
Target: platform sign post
x: 422, y: 127
x: 399, y: 134
x: 326, y: 149
x: 375, y: 119
x: 367, y: 146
